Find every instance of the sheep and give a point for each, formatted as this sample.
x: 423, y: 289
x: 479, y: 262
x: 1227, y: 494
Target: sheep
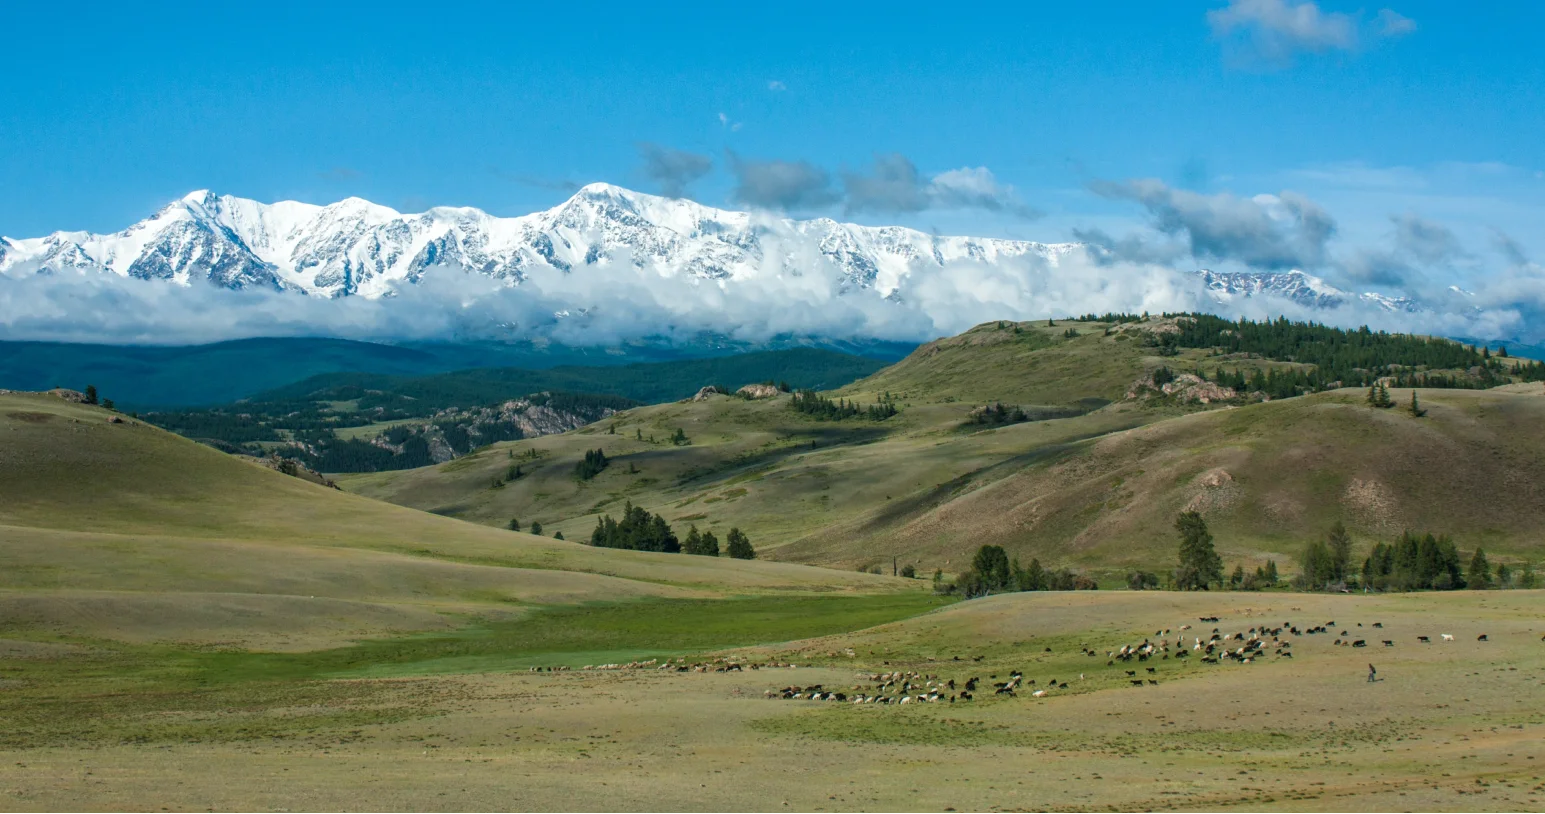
x: 1447, y: 637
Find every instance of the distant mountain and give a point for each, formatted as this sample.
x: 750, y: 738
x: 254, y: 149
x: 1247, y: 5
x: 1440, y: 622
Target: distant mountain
x: 355, y: 247
x: 1295, y: 286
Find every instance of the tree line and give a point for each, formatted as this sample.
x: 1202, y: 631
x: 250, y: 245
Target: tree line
x: 993, y: 572
x: 817, y: 406
x: 641, y: 530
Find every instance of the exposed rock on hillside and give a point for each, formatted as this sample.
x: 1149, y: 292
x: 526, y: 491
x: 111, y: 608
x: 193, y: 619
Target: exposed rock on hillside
x: 758, y: 391
x: 710, y: 390
x: 1185, y: 387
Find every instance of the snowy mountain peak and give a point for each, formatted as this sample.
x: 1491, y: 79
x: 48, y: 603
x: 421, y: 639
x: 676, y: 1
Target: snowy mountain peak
x: 355, y: 247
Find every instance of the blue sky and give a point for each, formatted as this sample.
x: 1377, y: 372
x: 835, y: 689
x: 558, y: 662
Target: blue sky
x: 1394, y: 121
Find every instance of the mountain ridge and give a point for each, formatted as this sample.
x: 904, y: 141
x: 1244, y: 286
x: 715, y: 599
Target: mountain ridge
x: 355, y: 247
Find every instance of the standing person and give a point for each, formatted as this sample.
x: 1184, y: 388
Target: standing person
x: 1372, y: 674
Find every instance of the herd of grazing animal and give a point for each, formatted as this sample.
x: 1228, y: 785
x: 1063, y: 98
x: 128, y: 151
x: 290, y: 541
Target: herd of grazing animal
x: 1240, y: 647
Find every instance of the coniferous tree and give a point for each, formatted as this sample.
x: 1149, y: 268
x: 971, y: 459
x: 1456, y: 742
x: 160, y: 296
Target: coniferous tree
x: 595, y: 461
x: 1034, y: 577
x: 1415, y: 409
x: 991, y: 563
x: 1339, y: 544
x: 91, y: 394
x: 1271, y: 573
x: 536, y: 528
x: 557, y: 535
x: 739, y: 546
x: 514, y: 524
x: 1317, y: 566
x: 1200, y: 565
x: 1480, y: 570
x: 909, y: 572
x: 1504, y: 575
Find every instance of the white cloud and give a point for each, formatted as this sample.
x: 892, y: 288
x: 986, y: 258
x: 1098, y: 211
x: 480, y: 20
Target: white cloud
x: 795, y: 292
x: 1273, y: 32
x: 1394, y: 24
x: 776, y: 86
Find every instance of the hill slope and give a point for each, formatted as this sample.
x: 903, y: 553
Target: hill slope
x: 1096, y: 489
x: 122, y: 530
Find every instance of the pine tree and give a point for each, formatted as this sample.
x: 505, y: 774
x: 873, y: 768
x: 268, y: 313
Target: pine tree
x: 1035, y: 577
x: 1200, y: 565
x: 557, y: 535
x: 1340, y: 545
x: 91, y: 394
x: 536, y: 528
x: 739, y: 546
x: 1271, y: 573
x: 909, y: 572
x: 1415, y: 409
x: 1479, y: 575
x: 1504, y: 575
x: 514, y: 524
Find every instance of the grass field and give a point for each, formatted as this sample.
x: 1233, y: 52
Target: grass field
x: 1450, y: 725
x: 183, y: 630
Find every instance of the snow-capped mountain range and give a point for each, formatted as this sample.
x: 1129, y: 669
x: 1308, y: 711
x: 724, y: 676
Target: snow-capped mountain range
x: 355, y: 247
x: 358, y: 248
x: 1295, y: 286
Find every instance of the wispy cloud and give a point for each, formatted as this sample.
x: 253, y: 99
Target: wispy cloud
x: 340, y: 174
x: 1269, y: 232
x: 673, y: 170
x: 1271, y: 33
x: 780, y: 185
x: 894, y: 185
x: 775, y: 86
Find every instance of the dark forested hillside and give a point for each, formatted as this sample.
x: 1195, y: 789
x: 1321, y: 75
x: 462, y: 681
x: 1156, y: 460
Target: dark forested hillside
x: 358, y: 422
x: 650, y: 382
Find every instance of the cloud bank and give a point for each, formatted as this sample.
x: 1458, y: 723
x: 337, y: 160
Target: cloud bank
x: 620, y: 301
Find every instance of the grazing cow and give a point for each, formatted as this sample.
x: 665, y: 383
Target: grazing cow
x: 1378, y: 624
x: 1131, y: 672
x: 1424, y: 639
x: 1137, y: 682
x: 1359, y: 643
x: 1447, y: 637
x: 1482, y: 638
x: 1152, y: 670
x: 1152, y: 682
x: 1388, y: 643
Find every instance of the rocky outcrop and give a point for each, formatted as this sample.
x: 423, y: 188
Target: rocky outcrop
x: 710, y: 390
x: 758, y: 391
x: 1185, y: 387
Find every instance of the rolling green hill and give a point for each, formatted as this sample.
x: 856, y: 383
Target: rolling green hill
x: 125, y: 531
x: 1091, y: 487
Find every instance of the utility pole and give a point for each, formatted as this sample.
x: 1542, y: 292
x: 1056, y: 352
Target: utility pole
x: 894, y: 572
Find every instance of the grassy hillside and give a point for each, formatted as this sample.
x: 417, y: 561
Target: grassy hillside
x: 122, y: 530
x: 1268, y: 477
x: 1096, y: 490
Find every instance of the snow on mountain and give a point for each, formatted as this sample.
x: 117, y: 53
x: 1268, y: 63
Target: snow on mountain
x: 1296, y: 286
x: 355, y: 247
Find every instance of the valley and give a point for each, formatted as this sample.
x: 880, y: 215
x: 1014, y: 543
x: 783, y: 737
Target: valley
x: 180, y: 628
